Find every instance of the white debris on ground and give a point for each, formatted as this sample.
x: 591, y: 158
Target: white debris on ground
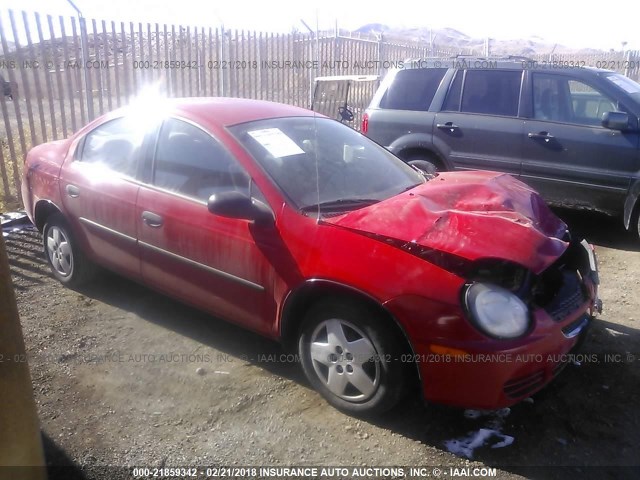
x: 615, y: 333
x: 490, y: 434
x: 6, y: 232
x: 13, y: 222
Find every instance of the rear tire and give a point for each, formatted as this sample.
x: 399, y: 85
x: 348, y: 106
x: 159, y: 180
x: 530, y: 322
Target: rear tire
x: 425, y: 162
x: 67, y: 261
x: 424, y: 166
x: 351, y: 356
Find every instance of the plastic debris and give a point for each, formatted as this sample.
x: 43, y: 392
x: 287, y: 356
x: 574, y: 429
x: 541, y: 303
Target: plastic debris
x: 465, y: 446
x: 490, y: 434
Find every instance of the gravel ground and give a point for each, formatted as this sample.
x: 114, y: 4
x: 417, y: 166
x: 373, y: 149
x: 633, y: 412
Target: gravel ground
x: 123, y: 376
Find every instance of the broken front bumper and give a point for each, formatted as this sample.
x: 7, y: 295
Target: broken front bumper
x: 489, y: 374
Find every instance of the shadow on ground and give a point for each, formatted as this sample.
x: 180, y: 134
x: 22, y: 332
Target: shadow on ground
x: 599, y: 229
x: 589, y: 416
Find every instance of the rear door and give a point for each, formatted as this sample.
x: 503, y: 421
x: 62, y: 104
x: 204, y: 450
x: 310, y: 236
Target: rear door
x: 402, y: 108
x: 568, y: 156
x: 213, y: 262
x: 99, y: 191
x: 478, y: 126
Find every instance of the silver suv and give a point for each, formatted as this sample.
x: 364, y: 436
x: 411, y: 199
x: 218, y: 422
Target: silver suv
x: 571, y: 133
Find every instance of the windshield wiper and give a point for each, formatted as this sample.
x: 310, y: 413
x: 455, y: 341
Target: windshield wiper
x: 340, y: 204
x: 412, y: 187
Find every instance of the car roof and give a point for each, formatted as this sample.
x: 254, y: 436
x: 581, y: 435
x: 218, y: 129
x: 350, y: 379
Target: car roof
x: 224, y: 112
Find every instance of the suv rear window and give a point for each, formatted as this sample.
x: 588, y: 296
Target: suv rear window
x: 413, y: 89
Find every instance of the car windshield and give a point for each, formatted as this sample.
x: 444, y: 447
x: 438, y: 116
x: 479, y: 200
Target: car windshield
x: 321, y: 164
x: 626, y: 84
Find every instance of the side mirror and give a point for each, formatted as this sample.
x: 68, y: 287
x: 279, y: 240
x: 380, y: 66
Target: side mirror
x: 235, y: 204
x: 615, y: 120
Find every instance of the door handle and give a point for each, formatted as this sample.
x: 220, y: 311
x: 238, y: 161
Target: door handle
x: 447, y: 126
x: 152, y: 219
x: 546, y: 136
x: 72, y: 191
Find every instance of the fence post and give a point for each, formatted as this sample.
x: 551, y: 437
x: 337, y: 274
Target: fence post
x: 379, y: 53
x: 222, y: 57
x: 84, y: 42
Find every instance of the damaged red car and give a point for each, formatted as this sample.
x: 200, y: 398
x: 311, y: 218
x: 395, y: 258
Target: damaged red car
x: 301, y: 229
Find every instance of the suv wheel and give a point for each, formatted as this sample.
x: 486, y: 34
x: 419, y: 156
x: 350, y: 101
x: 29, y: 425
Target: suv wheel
x: 425, y: 162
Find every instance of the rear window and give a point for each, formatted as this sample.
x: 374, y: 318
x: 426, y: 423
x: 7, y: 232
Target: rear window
x: 413, y: 89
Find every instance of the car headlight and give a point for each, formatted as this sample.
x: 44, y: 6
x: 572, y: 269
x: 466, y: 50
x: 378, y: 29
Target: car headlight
x: 496, y: 311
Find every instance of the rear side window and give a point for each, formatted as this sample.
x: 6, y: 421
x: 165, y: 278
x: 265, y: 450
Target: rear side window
x: 492, y: 92
x: 113, y: 145
x: 413, y: 89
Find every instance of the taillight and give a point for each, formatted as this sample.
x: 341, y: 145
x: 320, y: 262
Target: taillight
x: 365, y: 123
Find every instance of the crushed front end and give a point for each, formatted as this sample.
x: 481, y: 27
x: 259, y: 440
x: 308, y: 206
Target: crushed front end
x: 497, y: 371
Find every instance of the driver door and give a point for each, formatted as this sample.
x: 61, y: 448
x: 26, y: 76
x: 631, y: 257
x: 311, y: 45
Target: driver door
x: 209, y: 261
x: 568, y: 156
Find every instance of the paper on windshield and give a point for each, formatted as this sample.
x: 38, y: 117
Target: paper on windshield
x: 276, y: 142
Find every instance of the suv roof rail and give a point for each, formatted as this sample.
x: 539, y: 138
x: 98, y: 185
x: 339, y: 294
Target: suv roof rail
x: 462, y: 58
x: 495, y: 57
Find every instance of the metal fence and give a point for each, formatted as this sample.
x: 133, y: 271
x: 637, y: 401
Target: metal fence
x: 60, y: 72
x: 627, y: 63
x: 57, y: 86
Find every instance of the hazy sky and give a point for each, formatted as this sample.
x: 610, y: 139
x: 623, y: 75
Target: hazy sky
x: 573, y: 23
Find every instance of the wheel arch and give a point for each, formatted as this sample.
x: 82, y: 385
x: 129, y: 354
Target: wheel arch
x: 299, y: 300
x: 43, y: 210
x: 422, y: 153
x: 417, y: 144
x: 631, y: 204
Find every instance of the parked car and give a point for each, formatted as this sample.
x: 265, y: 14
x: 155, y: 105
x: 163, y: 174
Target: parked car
x: 570, y: 133
x: 344, y: 97
x: 300, y: 228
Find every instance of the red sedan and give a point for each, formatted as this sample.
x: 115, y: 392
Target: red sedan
x: 301, y: 229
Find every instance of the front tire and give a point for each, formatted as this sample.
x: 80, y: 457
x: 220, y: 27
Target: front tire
x: 351, y: 356
x: 67, y: 262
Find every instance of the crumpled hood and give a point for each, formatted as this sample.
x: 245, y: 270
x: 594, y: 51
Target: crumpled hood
x: 470, y: 216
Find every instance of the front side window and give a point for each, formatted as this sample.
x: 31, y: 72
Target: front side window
x: 114, y: 145
x: 563, y: 99
x: 413, y: 89
x: 492, y: 92
x: 317, y: 162
x: 625, y: 84
x: 192, y: 163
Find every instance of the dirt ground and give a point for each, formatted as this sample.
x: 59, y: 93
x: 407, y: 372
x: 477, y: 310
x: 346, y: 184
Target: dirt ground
x: 124, y: 376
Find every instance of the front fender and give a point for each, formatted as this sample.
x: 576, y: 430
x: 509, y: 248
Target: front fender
x: 630, y: 202
x: 417, y: 141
